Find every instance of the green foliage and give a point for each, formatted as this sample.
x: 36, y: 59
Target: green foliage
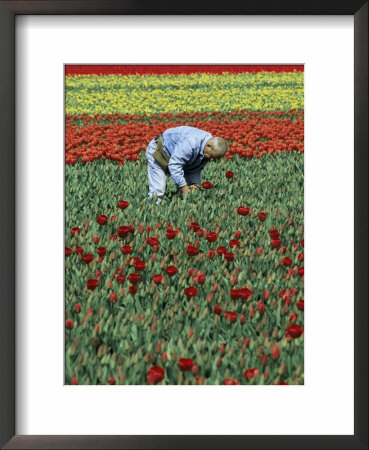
x: 125, y: 344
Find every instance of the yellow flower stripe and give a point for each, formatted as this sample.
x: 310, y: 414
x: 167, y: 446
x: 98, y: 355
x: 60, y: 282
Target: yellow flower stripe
x: 153, y: 94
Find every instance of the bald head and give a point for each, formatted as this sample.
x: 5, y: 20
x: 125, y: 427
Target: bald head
x: 217, y: 147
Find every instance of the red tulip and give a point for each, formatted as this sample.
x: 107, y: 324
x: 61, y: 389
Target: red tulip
x: 113, y: 297
x: 275, y: 243
x: 234, y: 294
x: 251, y: 373
x: 190, y: 291
x: 295, y: 331
x: 101, y: 251
x: 221, y: 250
x: 120, y: 279
x: 139, y: 266
x: 286, y: 261
x: 230, y: 382
x: 234, y: 243
x: 232, y: 316
x: 74, y: 381
x: 69, y: 324
x: 171, y: 270
x: 262, y: 216
x: 242, y: 294
x: 126, y: 249
x: 92, y: 284
x: 155, y: 374
x: 152, y: 241
x: 191, y: 250
x: 112, y: 381
x: 300, y: 271
x: 102, y: 219
x: 75, y: 230
x: 124, y: 230
x: 79, y: 250
x: 300, y: 305
x: 77, y: 308
x: 185, y: 364
x: 68, y: 251
x: 201, y: 278
x: 132, y: 289
x: 217, y: 310
x: 123, y: 205
x: 171, y: 234
x: 293, y: 317
x: 229, y: 256
x: 207, y: 185
x: 274, y: 234
x: 229, y: 174
x: 211, y: 237
x: 87, y: 258
x: 275, y: 352
x: 242, y: 211
x: 210, y: 254
x: 194, y: 226
x: 134, y: 278
x: 158, y: 279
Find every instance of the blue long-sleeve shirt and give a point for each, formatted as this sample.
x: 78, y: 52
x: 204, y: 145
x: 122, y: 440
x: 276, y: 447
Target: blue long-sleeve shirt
x: 185, y: 146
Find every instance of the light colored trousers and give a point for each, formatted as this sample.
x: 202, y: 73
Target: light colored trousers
x: 158, y: 178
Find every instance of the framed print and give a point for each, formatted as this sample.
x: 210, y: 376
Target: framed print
x: 136, y: 290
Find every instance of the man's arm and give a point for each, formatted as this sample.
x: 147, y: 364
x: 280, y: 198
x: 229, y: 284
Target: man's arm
x: 181, y: 155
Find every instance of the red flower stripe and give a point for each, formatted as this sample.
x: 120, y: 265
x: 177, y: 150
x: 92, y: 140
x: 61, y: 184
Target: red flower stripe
x: 176, y: 69
x: 124, y: 141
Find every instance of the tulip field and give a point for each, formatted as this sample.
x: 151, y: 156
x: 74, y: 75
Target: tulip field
x: 205, y: 290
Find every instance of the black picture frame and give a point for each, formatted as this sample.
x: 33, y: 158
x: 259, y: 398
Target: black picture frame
x: 8, y: 12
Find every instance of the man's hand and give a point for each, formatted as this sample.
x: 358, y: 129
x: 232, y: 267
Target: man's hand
x: 185, y: 189
x: 194, y: 187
